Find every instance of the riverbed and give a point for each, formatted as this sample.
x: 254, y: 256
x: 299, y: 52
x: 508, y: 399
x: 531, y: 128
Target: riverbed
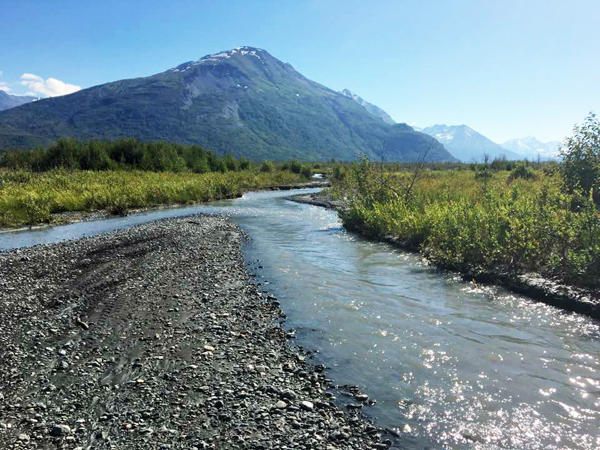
x: 450, y: 363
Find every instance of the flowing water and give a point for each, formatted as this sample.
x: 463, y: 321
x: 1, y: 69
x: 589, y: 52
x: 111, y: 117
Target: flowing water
x: 451, y: 364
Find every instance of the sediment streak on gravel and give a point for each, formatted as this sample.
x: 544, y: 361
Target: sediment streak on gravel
x: 155, y: 337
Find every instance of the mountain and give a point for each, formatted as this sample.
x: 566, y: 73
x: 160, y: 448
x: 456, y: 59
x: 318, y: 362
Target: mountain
x: 374, y: 110
x: 530, y: 148
x: 241, y: 101
x: 8, y: 101
x: 467, y: 144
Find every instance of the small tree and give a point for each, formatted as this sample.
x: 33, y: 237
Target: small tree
x: 581, y: 158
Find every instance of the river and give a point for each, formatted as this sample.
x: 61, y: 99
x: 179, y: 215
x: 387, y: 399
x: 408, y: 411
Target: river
x: 451, y: 364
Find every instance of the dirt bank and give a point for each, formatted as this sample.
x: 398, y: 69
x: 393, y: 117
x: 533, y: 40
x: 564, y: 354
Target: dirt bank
x: 156, y: 337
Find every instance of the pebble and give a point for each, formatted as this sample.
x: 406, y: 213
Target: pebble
x: 308, y: 406
x: 60, y: 430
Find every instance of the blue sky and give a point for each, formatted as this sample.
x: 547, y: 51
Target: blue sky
x: 506, y: 68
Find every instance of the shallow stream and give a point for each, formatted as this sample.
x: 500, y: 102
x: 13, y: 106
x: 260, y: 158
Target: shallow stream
x: 451, y: 364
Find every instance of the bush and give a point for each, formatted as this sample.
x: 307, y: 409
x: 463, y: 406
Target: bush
x: 266, y: 166
x: 231, y: 163
x: 581, y: 158
x: 305, y: 172
x: 522, y: 171
x: 339, y: 173
x: 483, y: 175
x: 295, y: 166
x: 244, y: 163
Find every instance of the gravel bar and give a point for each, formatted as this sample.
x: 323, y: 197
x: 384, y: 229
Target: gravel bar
x: 156, y: 337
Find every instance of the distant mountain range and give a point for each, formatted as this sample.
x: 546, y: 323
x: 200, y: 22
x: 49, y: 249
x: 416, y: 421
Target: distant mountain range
x: 8, y: 101
x: 371, y: 108
x: 530, y: 148
x: 470, y: 146
x: 241, y: 101
x: 467, y: 144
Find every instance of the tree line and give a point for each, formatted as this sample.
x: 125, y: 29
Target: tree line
x: 122, y: 154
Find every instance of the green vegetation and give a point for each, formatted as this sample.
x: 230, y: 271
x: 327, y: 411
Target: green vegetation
x: 122, y: 175
x: 28, y: 198
x: 122, y: 154
x: 516, y: 221
x: 581, y: 156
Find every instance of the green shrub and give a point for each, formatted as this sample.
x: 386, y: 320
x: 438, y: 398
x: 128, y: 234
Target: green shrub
x: 305, y: 172
x: 581, y: 158
x: 266, y: 166
x: 522, y: 171
x: 295, y: 166
x: 244, y: 163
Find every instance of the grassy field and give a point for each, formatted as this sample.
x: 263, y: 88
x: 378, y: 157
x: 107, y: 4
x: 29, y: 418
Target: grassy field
x: 516, y: 221
x: 29, y: 198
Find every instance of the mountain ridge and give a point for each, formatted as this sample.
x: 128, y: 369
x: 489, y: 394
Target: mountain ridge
x: 8, y: 101
x: 241, y: 101
x: 370, y: 107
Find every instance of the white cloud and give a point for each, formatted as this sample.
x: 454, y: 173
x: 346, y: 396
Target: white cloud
x: 50, y: 87
x: 3, y: 86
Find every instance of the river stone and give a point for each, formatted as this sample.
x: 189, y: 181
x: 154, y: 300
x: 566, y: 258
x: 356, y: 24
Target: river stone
x: 308, y: 406
x: 60, y: 430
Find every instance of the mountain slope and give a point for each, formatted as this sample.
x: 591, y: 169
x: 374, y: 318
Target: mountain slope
x: 242, y: 101
x: 371, y: 108
x: 529, y: 147
x: 467, y: 144
x: 8, y: 101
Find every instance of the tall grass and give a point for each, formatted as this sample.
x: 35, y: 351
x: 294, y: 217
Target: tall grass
x: 29, y: 198
x: 500, y: 223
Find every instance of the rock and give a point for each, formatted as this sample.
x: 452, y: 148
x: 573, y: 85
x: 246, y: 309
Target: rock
x: 82, y: 324
x: 23, y: 437
x: 307, y: 406
x: 281, y: 404
x: 288, y: 395
x: 60, y: 430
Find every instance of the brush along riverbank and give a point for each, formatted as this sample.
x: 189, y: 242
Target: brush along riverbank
x: 156, y: 337
x: 521, y: 234
x: 61, y: 196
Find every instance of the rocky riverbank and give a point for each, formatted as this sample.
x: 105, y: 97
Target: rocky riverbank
x: 156, y: 337
x: 569, y: 298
